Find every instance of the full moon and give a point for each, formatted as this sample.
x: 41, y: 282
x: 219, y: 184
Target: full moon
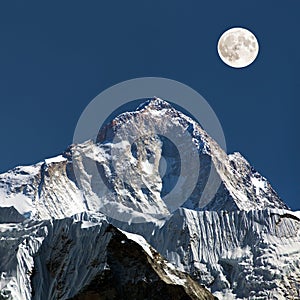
x: 238, y: 47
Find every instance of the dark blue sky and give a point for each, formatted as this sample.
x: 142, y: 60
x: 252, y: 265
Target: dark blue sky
x: 55, y: 58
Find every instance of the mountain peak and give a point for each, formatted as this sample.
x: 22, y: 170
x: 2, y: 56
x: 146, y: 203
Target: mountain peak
x: 137, y: 174
x: 155, y: 103
x: 241, y: 187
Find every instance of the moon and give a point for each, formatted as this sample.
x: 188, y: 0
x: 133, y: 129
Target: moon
x: 238, y: 47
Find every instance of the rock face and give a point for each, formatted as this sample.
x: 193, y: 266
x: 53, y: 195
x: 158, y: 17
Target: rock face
x: 244, y: 254
x: 61, y: 220
x: 85, y: 257
x: 130, y: 172
x: 133, y: 273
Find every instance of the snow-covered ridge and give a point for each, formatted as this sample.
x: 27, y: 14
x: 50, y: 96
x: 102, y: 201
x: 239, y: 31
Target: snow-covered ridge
x: 236, y: 254
x: 51, y: 189
x: 243, y: 244
x: 60, y: 259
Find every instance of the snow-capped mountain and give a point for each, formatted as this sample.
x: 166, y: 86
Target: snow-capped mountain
x: 238, y: 255
x: 51, y: 190
x: 85, y: 257
x: 240, y: 241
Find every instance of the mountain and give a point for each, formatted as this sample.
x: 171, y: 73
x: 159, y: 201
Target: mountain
x: 51, y: 189
x: 156, y: 173
x: 85, y: 257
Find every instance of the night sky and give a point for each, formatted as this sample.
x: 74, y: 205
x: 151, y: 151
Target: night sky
x: 56, y: 56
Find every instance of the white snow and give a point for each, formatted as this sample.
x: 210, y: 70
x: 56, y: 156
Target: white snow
x: 258, y: 185
x: 87, y: 224
x: 147, y: 167
x: 158, y: 113
x: 139, y: 240
x: 121, y: 145
x: 174, y: 278
x: 236, y: 253
x: 21, y: 203
x: 56, y: 159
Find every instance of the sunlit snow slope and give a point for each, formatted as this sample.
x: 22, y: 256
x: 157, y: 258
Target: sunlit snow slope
x: 243, y: 243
